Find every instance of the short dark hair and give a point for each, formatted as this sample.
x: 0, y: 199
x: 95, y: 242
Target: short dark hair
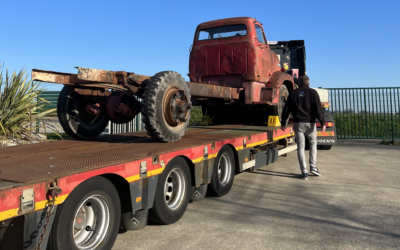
x: 304, y: 80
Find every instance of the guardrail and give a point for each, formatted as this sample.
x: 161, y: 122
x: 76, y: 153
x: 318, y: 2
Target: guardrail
x: 366, y: 113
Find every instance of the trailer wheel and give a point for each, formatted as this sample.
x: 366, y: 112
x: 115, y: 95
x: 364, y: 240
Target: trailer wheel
x: 166, y: 106
x: 223, y: 173
x: 74, y: 119
x: 324, y: 147
x: 89, y: 218
x: 172, y: 193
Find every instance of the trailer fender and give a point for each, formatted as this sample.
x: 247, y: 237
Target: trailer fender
x: 236, y: 155
x: 136, y: 198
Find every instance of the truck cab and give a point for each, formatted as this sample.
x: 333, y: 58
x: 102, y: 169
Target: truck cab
x: 230, y: 51
x: 235, y: 53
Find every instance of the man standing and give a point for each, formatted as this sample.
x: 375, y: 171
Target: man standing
x: 305, y: 106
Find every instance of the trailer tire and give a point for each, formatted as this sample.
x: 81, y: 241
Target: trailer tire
x: 74, y: 119
x: 160, y: 106
x: 93, y: 205
x: 172, y: 193
x: 223, y: 173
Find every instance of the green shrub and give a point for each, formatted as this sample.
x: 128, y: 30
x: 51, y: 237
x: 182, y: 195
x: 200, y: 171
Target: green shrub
x: 367, y: 125
x: 19, y: 105
x: 195, y: 116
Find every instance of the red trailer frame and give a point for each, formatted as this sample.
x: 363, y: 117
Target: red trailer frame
x: 55, y: 169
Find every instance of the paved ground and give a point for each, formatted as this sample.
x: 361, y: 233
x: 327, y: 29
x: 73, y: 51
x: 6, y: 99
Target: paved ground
x: 354, y: 205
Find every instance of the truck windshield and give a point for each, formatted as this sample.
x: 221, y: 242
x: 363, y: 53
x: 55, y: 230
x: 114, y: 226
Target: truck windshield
x: 260, y: 35
x: 222, y: 32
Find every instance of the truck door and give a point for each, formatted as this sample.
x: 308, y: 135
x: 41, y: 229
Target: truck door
x: 264, y: 54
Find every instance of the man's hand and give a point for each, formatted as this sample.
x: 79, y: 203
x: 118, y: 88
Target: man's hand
x: 283, y: 127
x: 323, y: 129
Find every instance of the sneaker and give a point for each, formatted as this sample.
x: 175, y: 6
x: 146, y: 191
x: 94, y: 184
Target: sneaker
x: 304, y: 176
x: 315, y: 171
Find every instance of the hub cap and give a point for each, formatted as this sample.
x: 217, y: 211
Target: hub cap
x: 176, y: 107
x: 224, y: 169
x: 91, y: 222
x: 174, y: 189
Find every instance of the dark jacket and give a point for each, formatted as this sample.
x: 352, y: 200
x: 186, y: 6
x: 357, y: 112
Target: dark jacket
x: 305, y: 106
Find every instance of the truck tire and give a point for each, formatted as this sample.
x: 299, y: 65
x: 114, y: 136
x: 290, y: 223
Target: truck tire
x: 74, y: 119
x: 164, y: 119
x: 89, y: 218
x: 223, y: 173
x: 172, y: 193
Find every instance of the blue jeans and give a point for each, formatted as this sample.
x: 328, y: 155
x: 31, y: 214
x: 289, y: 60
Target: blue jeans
x: 303, y: 130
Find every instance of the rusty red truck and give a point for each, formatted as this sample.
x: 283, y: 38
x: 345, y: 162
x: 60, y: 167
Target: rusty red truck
x: 77, y: 194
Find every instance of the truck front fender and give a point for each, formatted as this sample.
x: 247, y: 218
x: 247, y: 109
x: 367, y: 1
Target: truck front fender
x: 279, y: 78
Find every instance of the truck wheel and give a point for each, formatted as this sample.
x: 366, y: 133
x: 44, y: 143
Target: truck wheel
x: 74, y: 119
x: 166, y: 106
x: 172, y: 193
x: 197, y: 194
x: 89, y: 218
x: 223, y: 173
x: 324, y: 147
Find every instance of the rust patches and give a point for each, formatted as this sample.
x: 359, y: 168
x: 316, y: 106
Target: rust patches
x: 96, y: 75
x: 137, y: 79
x: 53, y: 77
x: 205, y: 90
x: 91, y: 92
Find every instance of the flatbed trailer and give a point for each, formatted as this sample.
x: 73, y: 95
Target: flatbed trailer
x: 75, y: 194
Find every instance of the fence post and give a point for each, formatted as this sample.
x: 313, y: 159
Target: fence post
x: 366, y: 117
x: 391, y: 114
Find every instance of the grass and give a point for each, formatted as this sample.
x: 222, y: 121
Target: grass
x: 195, y: 116
x: 55, y: 137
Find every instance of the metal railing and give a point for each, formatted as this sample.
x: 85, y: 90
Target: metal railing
x: 133, y: 126
x: 366, y: 113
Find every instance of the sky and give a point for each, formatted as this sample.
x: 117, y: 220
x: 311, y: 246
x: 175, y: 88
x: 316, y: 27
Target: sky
x: 353, y: 43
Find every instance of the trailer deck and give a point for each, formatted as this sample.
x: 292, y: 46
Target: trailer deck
x: 70, y: 162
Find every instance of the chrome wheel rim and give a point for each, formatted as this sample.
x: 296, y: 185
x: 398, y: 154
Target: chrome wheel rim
x: 174, y: 189
x: 224, y: 169
x: 91, y: 222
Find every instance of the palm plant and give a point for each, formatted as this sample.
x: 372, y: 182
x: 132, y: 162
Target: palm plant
x: 20, y: 105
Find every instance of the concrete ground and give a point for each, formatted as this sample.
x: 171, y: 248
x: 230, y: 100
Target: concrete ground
x: 355, y: 204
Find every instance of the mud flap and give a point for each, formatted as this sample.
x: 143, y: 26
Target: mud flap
x: 134, y: 221
x: 142, y: 197
x: 265, y: 158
